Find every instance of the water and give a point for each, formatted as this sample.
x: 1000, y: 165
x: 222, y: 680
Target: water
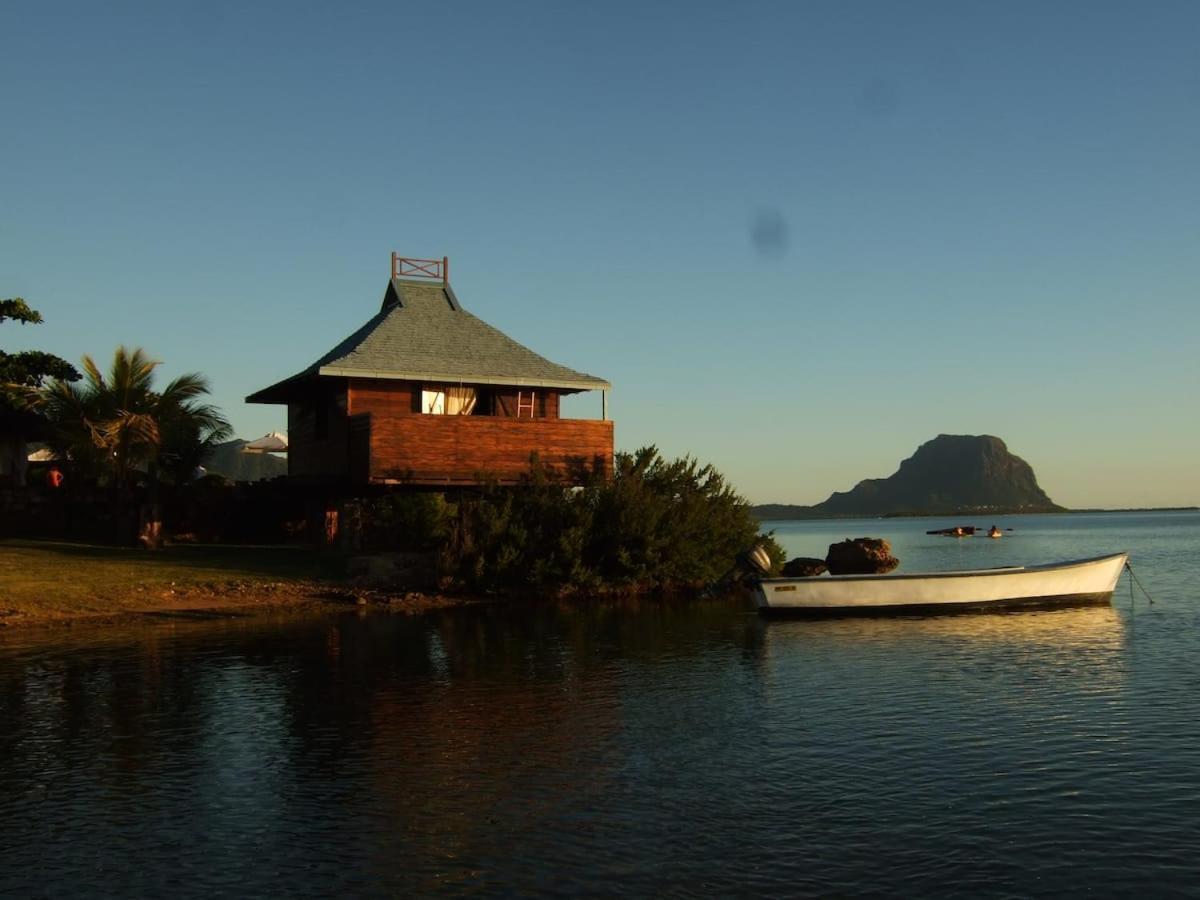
x: 636, y: 748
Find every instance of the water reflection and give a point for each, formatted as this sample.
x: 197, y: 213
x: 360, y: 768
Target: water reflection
x: 940, y: 666
x: 440, y: 727
x: 558, y: 749
x: 456, y: 684
x: 1088, y: 627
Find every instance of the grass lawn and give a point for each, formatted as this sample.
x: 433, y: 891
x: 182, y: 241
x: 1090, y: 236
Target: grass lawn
x: 56, y: 580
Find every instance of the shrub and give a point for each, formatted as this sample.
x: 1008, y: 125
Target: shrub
x: 655, y: 525
x: 404, y: 521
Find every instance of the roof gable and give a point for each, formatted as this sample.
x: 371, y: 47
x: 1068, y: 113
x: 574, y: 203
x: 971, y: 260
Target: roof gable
x: 422, y: 333
x: 408, y: 293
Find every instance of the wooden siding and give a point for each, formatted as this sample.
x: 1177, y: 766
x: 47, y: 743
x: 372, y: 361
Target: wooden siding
x: 504, y: 402
x: 383, y: 398
x: 358, y: 451
x: 403, y: 398
x: 456, y: 449
x: 374, y: 431
x: 311, y: 453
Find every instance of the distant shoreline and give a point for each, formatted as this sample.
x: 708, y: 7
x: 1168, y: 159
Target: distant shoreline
x: 801, y: 513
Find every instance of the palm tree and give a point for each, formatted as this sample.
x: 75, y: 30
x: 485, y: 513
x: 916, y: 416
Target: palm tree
x: 118, y: 425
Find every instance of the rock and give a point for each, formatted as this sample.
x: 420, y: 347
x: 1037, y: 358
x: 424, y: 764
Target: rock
x: 861, y: 556
x: 392, y: 571
x: 951, y: 474
x: 804, y: 567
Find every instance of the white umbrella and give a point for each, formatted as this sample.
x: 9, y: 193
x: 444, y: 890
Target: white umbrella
x: 275, y: 442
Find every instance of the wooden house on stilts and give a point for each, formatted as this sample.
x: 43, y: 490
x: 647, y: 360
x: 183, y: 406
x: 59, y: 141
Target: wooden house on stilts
x: 425, y: 393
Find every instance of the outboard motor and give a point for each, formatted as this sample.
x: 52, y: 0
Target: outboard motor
x: 749, y: 566
x: 752, y: 563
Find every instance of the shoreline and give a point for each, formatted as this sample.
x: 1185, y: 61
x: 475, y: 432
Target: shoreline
x: 235, y: 600
x: 960, y: 514
x: 49, y: 584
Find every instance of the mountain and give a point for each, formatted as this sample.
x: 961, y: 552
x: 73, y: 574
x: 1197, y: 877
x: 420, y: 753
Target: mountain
x: 953, y: 473
x: 787, y: 511
x: 228, y: 459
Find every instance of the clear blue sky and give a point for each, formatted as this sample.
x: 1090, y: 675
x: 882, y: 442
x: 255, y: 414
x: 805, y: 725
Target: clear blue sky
x: 800, y: 239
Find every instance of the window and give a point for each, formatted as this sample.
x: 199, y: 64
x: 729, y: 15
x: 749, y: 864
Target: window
x: 433, y: 402
x: 451, y: 401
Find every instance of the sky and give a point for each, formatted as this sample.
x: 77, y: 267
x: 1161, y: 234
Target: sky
x: 800, y: 239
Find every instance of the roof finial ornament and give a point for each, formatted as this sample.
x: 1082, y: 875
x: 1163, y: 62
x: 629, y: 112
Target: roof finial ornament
x: 409, y: 267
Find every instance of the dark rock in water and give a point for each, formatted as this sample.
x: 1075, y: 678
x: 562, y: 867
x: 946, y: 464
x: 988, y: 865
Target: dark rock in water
x: 804, y: 567
x: 861, y: 556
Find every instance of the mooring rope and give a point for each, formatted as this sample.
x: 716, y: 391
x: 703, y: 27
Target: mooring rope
x: 1134, y: 579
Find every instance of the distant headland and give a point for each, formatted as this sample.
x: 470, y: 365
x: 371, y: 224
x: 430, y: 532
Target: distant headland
x: 953, y: 474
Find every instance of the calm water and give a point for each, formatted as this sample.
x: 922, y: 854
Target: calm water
x: 632, y: 749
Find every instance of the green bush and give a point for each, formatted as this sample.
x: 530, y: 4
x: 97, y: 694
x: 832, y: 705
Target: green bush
x: 655, y: 525
x: 405, y: 521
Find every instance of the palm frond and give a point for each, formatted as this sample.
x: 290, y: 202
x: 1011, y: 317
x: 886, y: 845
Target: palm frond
x: 119, y: 422
x: 185, y: 387
x: 95, y: 379
x: 132, y: 376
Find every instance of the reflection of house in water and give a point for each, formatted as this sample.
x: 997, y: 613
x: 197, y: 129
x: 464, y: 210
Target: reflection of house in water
x: 491, y: 734
x: 426, y: 393
x: 514, y: 724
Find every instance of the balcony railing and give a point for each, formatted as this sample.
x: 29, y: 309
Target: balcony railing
x: 407, y: 267
x: 458, y: 449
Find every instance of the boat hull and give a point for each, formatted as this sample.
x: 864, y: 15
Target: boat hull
x: 1074, y: 583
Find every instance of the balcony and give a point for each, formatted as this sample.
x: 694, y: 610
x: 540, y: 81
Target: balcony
x: 423, y: 449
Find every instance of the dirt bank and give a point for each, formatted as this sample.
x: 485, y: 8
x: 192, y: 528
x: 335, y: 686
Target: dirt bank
x: 55, y: 583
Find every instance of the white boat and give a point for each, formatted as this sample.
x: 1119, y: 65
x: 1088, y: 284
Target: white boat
x: 1073, y: 583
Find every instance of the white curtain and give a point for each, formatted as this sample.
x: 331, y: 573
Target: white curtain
x: 453, y: 401
x: 460, y: 401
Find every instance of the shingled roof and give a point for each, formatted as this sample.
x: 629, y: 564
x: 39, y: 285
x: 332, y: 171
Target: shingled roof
x: 422, y: 333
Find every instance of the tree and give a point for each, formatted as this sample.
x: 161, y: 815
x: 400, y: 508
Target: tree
x: 22, y: 375
x: 656, y: 524
x: 118, y: 425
